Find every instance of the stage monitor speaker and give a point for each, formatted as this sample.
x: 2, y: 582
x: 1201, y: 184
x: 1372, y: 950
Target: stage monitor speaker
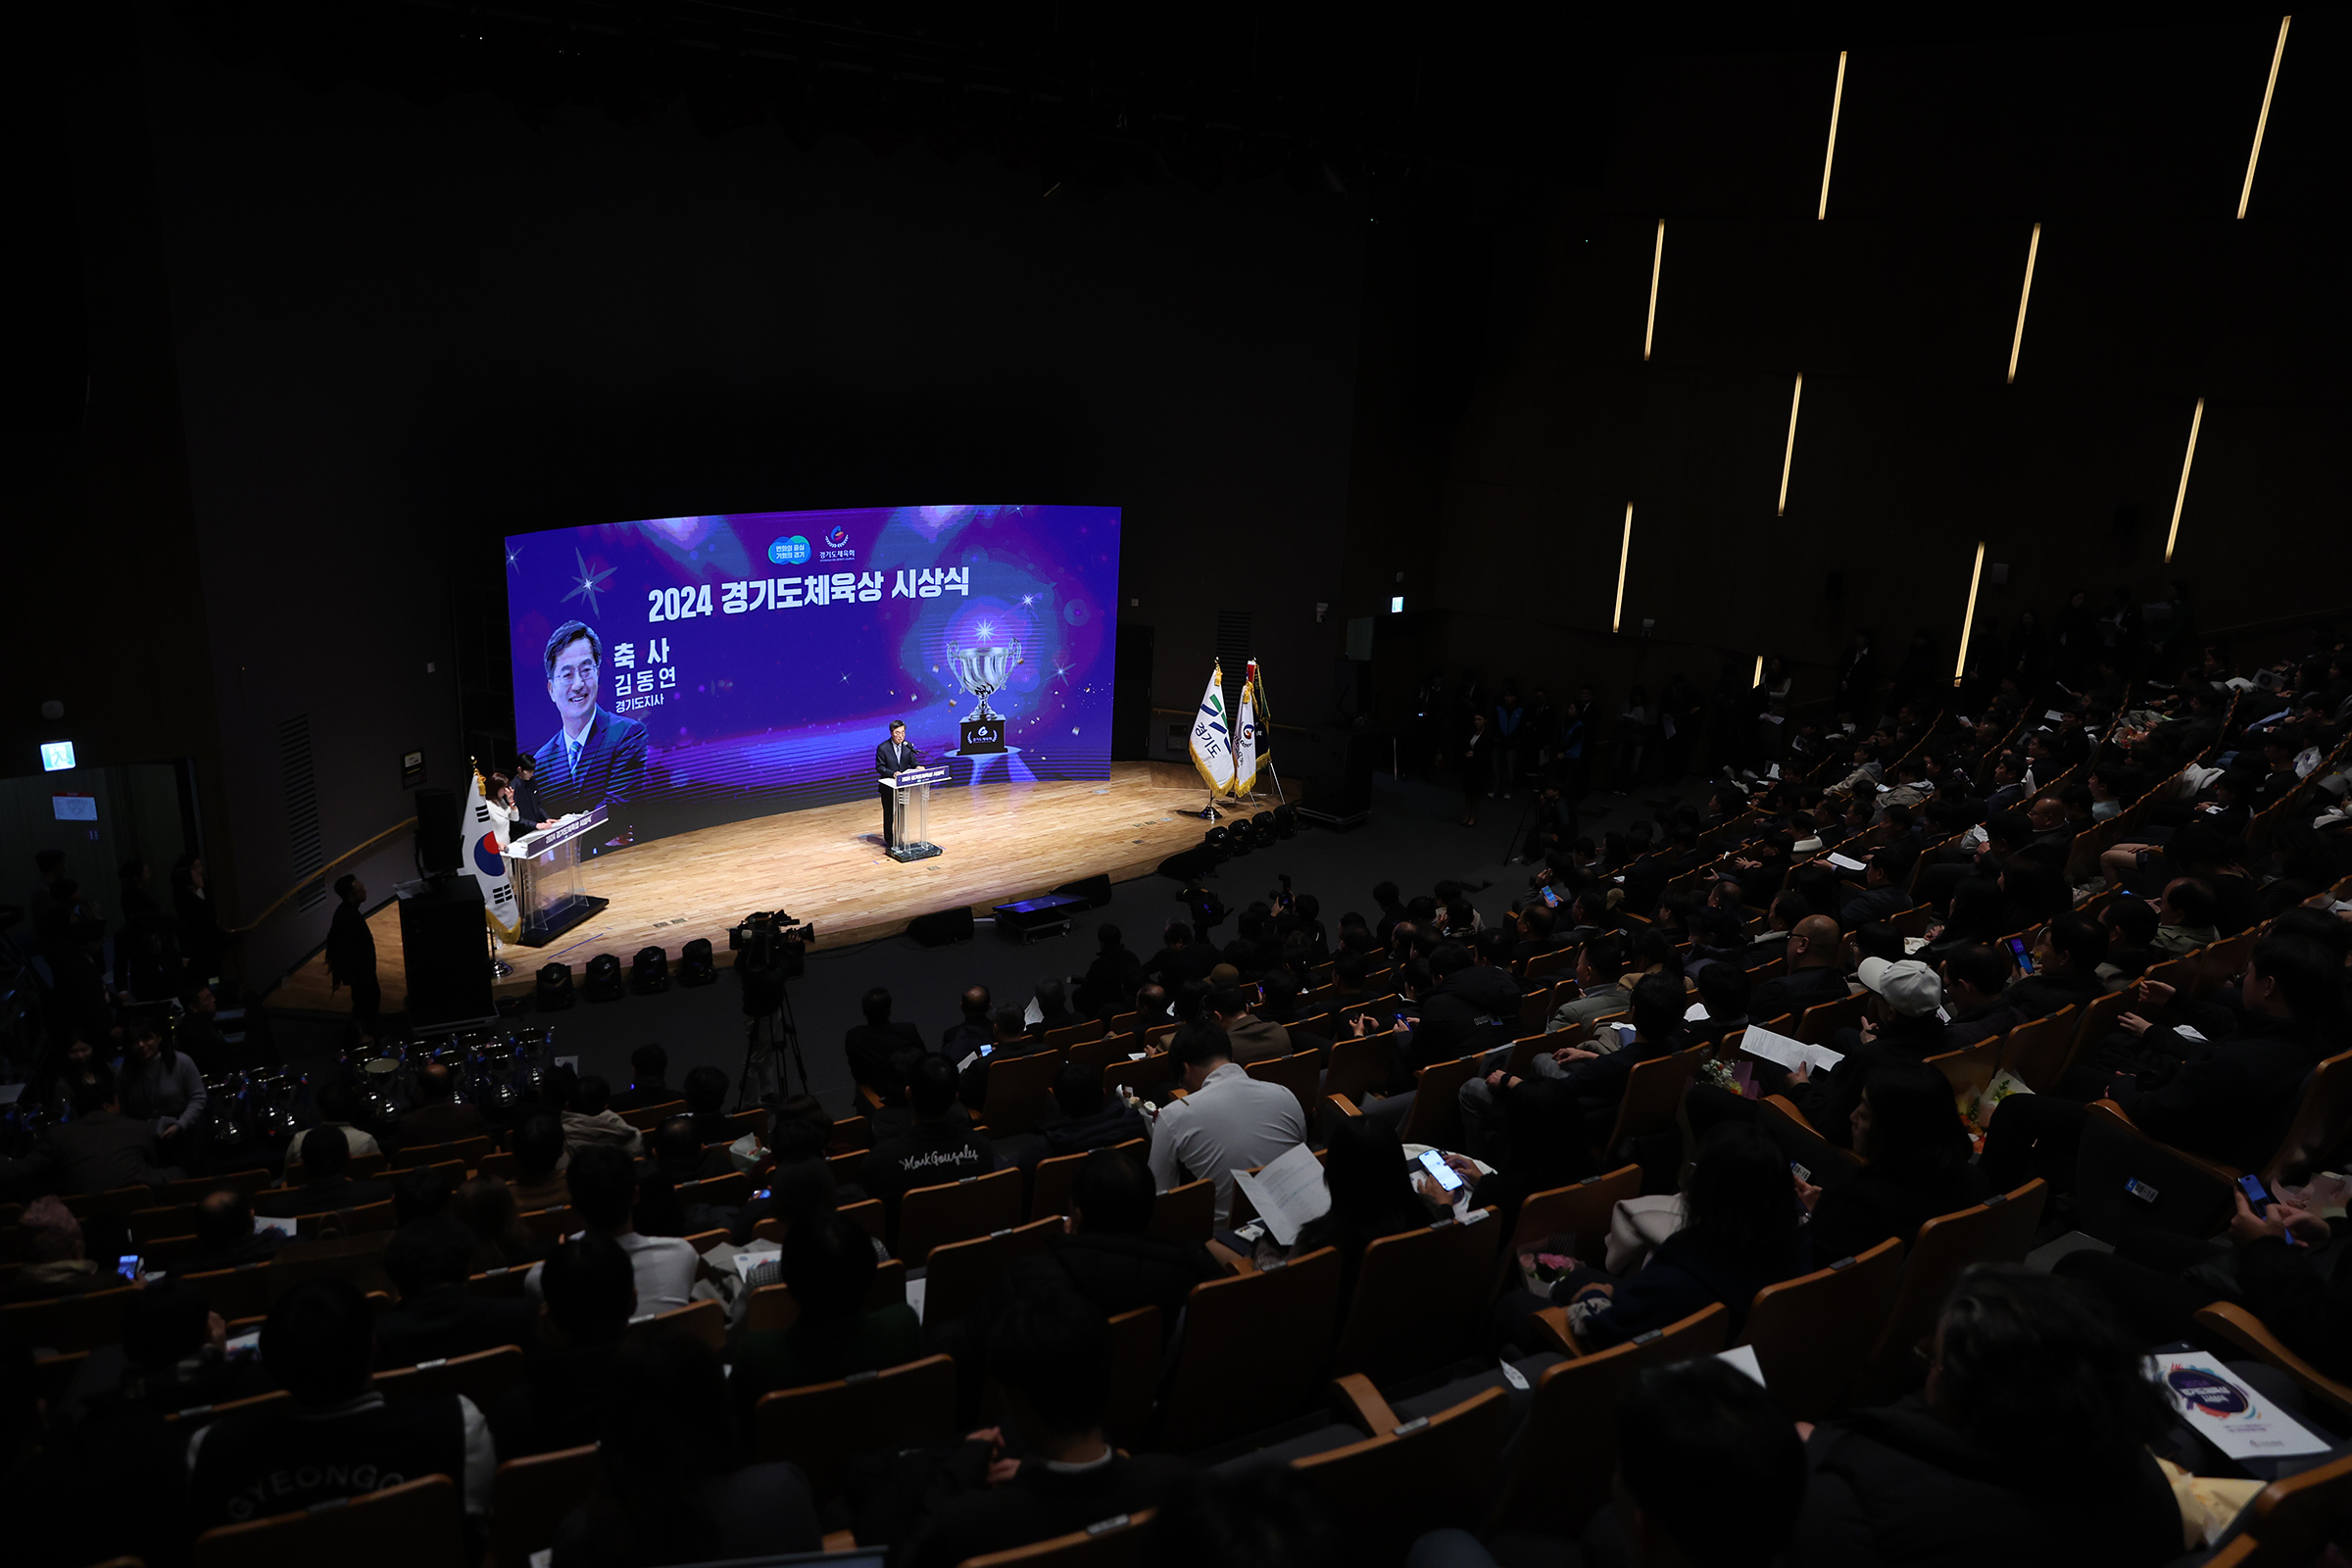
x: 1095, y: 889
x: 1184, y: 865
x: 440, y: 832
x: 940, y: 929
x: 443, y: 952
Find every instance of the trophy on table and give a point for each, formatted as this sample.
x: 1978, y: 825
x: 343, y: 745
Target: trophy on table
x: 980, y: 671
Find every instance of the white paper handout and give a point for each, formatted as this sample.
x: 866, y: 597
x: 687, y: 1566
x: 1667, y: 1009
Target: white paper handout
x: 1287, y: 1192
x: 1847, y: 862
x: 1743, y: 1356
x: 749, y: 1260
x: 1787, y: 1052
x: 2225, y: 1412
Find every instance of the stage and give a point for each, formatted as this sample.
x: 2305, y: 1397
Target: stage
x: 1002, y: 842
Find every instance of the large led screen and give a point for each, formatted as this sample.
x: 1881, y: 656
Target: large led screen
x: 686, y: 670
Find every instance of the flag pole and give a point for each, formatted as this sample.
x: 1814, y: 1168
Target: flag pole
x: 1263, y: 723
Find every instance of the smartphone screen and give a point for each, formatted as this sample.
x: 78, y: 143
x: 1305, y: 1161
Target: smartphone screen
x: 2253, y: 1189
x: 2024, y: 958
x: 128, y: 1265
x: 1435, y: 1164
x: 1551, y: 895
x: 987, y: 1050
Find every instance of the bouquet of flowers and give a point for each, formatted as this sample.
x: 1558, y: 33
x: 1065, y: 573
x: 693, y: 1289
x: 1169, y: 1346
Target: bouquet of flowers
x: 1541, y: 1270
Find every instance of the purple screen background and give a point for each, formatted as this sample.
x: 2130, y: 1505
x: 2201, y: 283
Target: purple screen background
x: 767, y: 708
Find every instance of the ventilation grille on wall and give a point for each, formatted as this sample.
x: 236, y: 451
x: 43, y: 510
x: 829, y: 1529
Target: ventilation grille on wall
x: 304, y: 846
x: 1234, y: 651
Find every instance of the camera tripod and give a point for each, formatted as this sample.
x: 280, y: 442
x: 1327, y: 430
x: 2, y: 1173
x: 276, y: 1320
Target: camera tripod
x: 769, y: 1029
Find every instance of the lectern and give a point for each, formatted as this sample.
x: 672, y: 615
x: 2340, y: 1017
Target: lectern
x: 909, y: 817
x: 549, y: 896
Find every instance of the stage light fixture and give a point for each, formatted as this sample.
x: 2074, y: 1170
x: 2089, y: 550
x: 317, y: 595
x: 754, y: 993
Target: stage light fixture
x: 1261, y: 830
x: 1968, y: 616
x: 2024, y: 297
x: 2262, y: 122
x: 1788, y: 457
x: 554, y: 993
x: 1286, y: 820
x: 1830, y: 158
x: 651, y: 972
x: 1657, y: 259
x: 1240, y: 841
x: 1216, y: 843
x: 695, y: 967
x: 2188, y: 460
x: 604, y: 982
x: 1625, y: 553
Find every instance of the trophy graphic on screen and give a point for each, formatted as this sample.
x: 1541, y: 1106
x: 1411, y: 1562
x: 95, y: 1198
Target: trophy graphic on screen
x: 980, y: 671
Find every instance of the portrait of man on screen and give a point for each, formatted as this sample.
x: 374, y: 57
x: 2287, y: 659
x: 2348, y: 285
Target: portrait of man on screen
x: 596, y: 756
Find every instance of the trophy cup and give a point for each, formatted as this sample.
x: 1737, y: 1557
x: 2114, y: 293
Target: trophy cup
x: 980, y: 671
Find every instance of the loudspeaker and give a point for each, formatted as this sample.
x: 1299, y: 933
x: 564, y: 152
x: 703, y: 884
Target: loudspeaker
x: 1184, y: 865
x: 1095, y: 889
x: 442, y: 950
x: 554, y: 988
x: 440, y: 832
x: 940, y: 929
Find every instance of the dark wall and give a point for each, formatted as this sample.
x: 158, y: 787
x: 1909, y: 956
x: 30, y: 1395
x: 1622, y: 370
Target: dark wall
x: 1502, y: 502
x: 405, y: 331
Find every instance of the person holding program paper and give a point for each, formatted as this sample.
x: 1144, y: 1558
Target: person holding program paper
x: 1227, y: 1120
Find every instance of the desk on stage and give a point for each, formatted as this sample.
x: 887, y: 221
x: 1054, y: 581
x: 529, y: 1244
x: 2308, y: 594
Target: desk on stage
x: 550, y: 895
x: 910, y: 814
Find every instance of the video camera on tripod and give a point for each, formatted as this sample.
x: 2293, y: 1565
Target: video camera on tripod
x: 769, y: 949
x: 769, y: 943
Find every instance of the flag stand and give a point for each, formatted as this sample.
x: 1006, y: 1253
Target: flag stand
x: 1209, y: 812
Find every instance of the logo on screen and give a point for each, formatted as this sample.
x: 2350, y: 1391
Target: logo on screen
x: 792, y: 552
x: 837, y: 537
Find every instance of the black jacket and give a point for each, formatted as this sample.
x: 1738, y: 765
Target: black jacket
x: 1797, y: 991
x: 1827, y: 1100
x: 1119, y: 1273
x: 1860, y: 1208
x: 870, y: 1048
x: 2232, y: 1100
x: 1896, y: 1488
x: 2037, y: 996
x: 931, y: 1154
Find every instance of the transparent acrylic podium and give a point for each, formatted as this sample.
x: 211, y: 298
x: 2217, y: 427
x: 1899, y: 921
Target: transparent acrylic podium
x: 549, y: 894
x: 909, y: 817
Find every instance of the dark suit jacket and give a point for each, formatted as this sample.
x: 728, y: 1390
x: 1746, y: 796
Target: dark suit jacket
x: 1797, y: 991
x: 2232, y: 1100
x: 442, y: 1123
x: 612, y: 769
x: 889, y: 758
x: 870, y: 1050
x: 103, y: 1151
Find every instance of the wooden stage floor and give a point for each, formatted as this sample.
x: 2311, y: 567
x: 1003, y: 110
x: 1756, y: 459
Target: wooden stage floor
x: 1002, y: 842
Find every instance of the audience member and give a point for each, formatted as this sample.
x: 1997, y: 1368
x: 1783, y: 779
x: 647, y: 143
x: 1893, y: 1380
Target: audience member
x: 336, y: 1437
x: 49, y: 1241
x: 326, y: 1181
x: 1056, y: 1471
x: 2034, y: 1430
x: 486, y: 1207
x: 440, y: 1117
x: 874, y: 1049
x: 338, y: 1105
x: 540, y: 1160
x: 588, y: 1294
x: 604, y: 1194
x: 101, y: 1149
x: 590, y: 1122
x: 649, y: 1071
x: 828, y: 1267
x: 1907, y: 1133
x: 675, y: 1486
x: 1227, y: 1120
x: 1090, y: 1118
x: 937, y: 1148
x: 225, y: 1236
x: 436, y: 1315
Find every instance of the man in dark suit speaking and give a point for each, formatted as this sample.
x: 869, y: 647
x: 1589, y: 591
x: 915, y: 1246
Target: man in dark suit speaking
x: 598, y: 756
x: 890, y: 757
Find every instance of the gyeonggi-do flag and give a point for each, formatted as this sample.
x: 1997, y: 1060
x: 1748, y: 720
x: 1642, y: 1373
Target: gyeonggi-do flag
x: 1244, y: 746
x: 486, y: 857
x: 1264, y: 737
x: 1212, y: 746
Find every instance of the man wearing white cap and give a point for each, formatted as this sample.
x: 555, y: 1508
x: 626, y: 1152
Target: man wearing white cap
x: 1902, y: 1022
